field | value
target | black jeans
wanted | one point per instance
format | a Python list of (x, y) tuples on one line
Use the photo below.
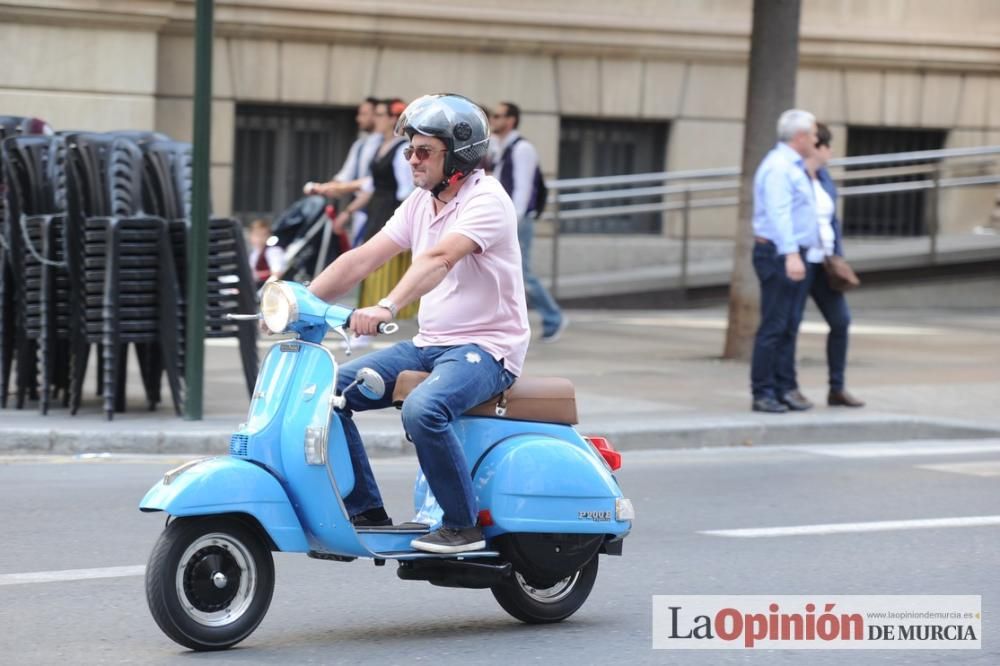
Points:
[(781, 302)]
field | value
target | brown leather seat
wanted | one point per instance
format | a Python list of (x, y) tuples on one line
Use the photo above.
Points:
[(545, 399)]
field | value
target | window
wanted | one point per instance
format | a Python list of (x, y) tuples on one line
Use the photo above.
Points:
[(893, 213), (279, 148), (591, 147)]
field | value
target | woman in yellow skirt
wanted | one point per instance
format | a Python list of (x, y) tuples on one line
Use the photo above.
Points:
[(390, 181)]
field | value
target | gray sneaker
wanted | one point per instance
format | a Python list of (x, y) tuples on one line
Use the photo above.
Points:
[(447, 540), (556, 334)]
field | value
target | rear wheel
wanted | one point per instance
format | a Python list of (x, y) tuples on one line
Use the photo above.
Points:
[(209, 582), (539, 605)]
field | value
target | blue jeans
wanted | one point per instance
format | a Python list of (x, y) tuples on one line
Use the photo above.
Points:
[(833, 306), (538, 296), (772, 368), (461, 378)]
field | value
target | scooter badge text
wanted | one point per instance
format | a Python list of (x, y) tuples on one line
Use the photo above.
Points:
[(596, 516)]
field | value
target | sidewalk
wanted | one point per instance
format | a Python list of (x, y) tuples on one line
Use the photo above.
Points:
[(644, 379)]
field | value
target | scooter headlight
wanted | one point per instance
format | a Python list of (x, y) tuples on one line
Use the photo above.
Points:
[(278, 306)]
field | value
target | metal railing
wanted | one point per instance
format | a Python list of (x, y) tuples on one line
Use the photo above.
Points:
[(686, 191)]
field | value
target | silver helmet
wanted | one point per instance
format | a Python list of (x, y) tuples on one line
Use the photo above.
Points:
[(456, 120)]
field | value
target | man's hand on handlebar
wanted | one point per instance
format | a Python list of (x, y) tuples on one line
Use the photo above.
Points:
[(365, 321)]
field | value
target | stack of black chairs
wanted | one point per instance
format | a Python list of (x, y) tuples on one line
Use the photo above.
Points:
[(9, 126), (93, 254), (14, 339), (36, 196), (167, 189), (124, 285), (231, 290)]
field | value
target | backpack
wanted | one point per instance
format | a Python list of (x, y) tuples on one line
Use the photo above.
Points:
[(539, 191)]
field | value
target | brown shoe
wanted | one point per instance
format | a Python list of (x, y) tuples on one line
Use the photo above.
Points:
[(843, 399), (795, 401)]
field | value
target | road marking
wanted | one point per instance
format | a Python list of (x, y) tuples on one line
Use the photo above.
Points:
[(71, 574), (841, 528), (978, 468), (900, 449)]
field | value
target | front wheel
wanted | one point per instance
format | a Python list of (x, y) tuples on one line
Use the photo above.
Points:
[(209, 582), (537, 605)]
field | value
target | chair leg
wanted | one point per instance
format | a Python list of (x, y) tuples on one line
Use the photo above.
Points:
[(62, 377), (46, 335), (171, 335), (152, 365), (77, 373), (172, 368), (44, 372), (6, 330), (111, 334), (100, 370), (121, 397), (110, 358), (27, 379)]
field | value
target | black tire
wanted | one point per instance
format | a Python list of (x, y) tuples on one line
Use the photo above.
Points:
[(183, 589), (554, 604)]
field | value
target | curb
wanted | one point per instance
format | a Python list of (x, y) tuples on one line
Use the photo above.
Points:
[(666, 434)]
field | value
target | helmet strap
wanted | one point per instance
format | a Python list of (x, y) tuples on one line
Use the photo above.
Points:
[(445, 184)]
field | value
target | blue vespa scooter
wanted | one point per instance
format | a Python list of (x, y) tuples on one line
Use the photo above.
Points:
[(549, 502)]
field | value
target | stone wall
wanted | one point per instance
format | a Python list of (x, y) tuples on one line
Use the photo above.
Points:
[(87, 64)]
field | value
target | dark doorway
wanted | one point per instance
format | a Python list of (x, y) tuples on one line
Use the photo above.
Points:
[(279, 148), (892, 214), (592, 147)]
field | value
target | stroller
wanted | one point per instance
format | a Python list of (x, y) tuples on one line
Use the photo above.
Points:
[(305, 232)]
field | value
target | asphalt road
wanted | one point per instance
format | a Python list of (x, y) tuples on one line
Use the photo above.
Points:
[(66, 514)]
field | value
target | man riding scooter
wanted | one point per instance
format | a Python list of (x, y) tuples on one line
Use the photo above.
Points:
[(473, 325)]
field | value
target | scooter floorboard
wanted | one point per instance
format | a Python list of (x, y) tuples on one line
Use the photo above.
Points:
[(418, 555), (402, 528)]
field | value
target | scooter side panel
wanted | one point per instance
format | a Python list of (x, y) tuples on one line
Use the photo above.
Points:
[(534, 483), (230, 485), (479, 435)]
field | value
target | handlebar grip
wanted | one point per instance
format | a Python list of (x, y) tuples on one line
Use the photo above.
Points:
[(385, 328)]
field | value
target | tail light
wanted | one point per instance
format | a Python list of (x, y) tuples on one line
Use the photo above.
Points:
[(607, 451)]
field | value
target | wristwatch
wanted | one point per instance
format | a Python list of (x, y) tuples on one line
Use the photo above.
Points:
[(388, 305)]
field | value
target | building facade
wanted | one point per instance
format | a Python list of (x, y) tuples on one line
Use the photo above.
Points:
[(635, 85)]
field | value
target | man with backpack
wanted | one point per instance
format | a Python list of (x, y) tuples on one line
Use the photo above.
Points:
[(515, 165)]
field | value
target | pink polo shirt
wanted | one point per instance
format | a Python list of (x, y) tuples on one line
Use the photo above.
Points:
[(481, 299)]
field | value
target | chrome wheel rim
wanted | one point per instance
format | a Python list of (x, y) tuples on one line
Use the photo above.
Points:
[(216, 580), (548, 595)]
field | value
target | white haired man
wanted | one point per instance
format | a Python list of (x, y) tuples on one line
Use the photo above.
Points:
[(784, 226)]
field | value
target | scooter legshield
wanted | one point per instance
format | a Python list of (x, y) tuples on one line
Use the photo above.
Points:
[(536, 483), (230, 485)]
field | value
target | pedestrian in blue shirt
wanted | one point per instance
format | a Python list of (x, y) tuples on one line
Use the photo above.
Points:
[(784, 226)]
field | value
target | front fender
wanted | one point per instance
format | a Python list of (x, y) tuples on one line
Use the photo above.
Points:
[(230, 485)]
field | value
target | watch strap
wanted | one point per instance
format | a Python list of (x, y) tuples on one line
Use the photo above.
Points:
[(388, 305)]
